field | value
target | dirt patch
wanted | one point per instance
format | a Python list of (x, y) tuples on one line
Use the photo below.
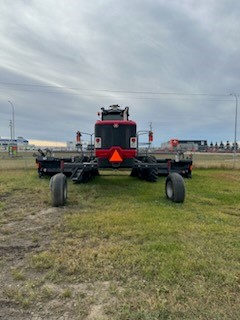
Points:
[(22, 232), (28, 228)]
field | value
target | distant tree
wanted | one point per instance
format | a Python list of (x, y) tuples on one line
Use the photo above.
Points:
[(234, 145), (228, 145), (221, 145), (216, 145), (211, 145)]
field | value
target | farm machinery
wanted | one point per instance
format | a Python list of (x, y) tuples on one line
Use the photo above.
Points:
[(116, 143)]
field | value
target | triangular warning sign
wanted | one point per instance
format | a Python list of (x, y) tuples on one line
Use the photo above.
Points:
[(116, 157)]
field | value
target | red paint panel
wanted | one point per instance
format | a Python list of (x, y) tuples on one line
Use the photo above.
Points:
[(124, 153)]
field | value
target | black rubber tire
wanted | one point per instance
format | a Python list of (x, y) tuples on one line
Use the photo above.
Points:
[(151, 173), (134, 172), (142, 174), (175, 187), (58, 187), (95, 173)]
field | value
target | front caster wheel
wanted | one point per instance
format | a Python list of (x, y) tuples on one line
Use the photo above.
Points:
[(175, 187), (58, 187)]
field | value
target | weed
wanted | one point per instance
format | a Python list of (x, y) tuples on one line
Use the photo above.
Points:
[(43, 260), (67, 293), (18, 274)]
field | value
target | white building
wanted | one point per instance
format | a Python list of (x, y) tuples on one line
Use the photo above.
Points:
[(71, 145), (20, 142)]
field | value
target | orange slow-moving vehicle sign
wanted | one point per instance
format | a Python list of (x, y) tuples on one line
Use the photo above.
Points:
[(116, 157)]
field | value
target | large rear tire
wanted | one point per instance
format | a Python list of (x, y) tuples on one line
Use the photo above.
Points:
[(58, 187), (152, 173), (134, 172), (175, 187), (149, 174)]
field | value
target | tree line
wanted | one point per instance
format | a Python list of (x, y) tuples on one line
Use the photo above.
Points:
[(224, 146)]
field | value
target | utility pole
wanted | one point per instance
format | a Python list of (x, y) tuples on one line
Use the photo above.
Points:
[(13, 120), (235, 128)]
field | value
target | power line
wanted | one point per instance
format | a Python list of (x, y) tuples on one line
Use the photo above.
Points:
[(174, 97), (114, 91)]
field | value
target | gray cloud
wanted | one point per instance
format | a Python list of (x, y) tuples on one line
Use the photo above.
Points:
[(66, 49)]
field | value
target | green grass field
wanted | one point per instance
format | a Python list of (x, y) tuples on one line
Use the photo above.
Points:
[(121, 250)]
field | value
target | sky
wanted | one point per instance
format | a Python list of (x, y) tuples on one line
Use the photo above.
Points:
[(174, 63)]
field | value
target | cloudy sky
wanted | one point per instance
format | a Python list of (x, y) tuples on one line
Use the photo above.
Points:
[(174, 63)]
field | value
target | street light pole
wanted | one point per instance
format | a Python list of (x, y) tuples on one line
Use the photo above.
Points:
[(13, 121), (235, 128), (10, 125)]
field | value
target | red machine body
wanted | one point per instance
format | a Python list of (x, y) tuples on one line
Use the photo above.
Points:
[(115, 138)]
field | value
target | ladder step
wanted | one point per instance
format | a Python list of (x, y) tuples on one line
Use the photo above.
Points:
[(76, 175)]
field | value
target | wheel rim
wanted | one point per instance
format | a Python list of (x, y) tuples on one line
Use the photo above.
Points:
[(169, 189)]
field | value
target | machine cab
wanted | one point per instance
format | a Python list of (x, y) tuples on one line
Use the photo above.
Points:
[(115, 113)]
